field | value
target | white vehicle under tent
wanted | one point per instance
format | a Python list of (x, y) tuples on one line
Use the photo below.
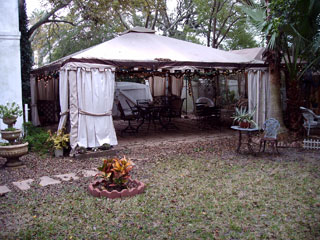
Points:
[(129, 92), (84, 83)]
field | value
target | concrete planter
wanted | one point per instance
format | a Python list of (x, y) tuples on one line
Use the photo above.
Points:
[(12, 154), (58, 152), (10, 135), (96, 192), (9, 121)]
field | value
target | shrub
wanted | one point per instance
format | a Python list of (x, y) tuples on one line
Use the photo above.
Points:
[(116, 170), (59, 139), (37, 139)]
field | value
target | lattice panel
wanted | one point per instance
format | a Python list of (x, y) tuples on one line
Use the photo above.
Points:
[(47, 112)]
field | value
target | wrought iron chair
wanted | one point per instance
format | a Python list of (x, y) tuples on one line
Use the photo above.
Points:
[(134, 109), (270, 127), (143, 101), (311, 120), (173, 110), (215, 118), (202, 114), (128, 116)]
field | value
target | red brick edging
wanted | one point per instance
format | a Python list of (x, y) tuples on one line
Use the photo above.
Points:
[(94, 191)]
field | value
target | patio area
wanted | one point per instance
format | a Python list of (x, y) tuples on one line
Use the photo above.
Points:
[(188, 131)]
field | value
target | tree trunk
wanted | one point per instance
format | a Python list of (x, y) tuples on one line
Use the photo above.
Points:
[(274, 59), (294, 102), (275, 99)]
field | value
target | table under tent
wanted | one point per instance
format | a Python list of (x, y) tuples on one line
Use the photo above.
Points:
[(86, 79)]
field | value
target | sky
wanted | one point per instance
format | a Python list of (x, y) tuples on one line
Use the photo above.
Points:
[(31, 5)]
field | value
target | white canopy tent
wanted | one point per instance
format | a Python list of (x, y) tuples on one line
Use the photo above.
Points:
[(141, 47), (87, 78)]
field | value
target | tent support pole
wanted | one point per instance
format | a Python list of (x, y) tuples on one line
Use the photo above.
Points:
[(186, 95), (167, 83)]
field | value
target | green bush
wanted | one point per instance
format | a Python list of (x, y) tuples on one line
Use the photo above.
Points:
[(37, 139)]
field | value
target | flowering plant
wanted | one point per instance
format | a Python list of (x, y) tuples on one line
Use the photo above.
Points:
[(116, 170), (59, 139)]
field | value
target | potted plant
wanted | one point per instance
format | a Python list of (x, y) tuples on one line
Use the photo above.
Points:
[(244, 117), (114, 179), (60, 141), (14, 149), (9, 113)]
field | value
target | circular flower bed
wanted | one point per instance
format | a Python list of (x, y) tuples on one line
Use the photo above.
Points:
[(97, 189)]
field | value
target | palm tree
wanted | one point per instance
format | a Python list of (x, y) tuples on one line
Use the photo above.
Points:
[(292, 31), (257, 14)]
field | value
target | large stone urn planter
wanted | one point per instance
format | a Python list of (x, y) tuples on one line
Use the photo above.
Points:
[(10, 121), (96, 192), (10, 135), (12, 154), (14, 149)]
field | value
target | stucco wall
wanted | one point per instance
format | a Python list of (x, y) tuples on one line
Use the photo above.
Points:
[(10, 73)]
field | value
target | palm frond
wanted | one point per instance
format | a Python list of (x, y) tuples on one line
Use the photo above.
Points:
[(256, 16)]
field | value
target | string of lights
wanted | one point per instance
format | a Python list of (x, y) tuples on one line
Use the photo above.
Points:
[(45, 78)]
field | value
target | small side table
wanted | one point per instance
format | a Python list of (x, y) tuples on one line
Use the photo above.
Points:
[(249, 132)]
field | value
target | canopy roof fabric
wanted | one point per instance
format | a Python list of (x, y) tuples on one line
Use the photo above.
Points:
[(140, 47), (251, 53)]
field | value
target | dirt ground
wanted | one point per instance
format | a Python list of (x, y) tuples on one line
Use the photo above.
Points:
[(149, 144)]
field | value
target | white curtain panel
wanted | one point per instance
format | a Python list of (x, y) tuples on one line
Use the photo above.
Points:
[(64, 98), (176, 86), (74, 113), (95, 89), (259, 95), (34, 108), (158, 86)]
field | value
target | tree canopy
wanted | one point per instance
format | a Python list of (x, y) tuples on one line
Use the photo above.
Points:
[(65, 26)]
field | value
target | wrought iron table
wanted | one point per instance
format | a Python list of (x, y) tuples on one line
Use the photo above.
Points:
[(249, 132)]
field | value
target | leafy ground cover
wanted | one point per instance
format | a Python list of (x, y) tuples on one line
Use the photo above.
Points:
[(199, 190)]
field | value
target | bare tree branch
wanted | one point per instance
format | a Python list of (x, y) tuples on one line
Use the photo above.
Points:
[(214, 31), (231, 14), (61, 21), (122, 21), (210, 23), (228, 29), (180, 18), (155, 19), (147, 20), (46, 17)]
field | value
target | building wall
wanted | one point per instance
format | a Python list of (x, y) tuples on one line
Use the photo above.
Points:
[(10, 72)]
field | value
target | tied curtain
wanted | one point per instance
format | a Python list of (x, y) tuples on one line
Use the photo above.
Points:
[(64, 98), (259, 95), (91, 95), (95, 98)]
